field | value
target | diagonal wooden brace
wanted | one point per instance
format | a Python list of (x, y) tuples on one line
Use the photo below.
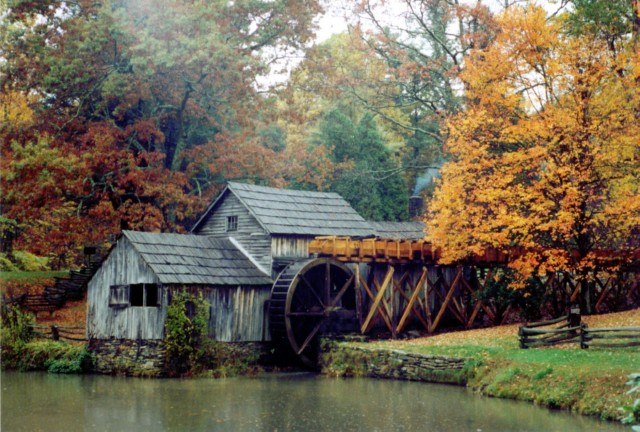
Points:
[(382, 313), (376, 302), (447, 299), (412, 300)]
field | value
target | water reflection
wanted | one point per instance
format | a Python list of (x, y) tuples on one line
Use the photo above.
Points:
[(293, 402)]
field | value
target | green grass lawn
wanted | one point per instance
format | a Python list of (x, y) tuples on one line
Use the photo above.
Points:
[(590, 381), (29, 276)]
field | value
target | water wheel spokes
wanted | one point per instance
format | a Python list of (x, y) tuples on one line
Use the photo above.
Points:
[(307, 296)]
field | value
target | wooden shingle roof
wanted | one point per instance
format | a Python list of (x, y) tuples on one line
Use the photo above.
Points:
[(296, 212), (399, 230), (193, 259)]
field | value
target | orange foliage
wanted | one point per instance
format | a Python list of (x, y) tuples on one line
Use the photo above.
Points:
[(546, 154)]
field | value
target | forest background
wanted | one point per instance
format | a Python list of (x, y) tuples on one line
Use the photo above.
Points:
[(133, 114)]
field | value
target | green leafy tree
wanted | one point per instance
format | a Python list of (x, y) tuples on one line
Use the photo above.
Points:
[(369, 178), (424, 50)]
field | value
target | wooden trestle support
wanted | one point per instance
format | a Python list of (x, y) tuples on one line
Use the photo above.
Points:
[(389, 286), (401, 285)]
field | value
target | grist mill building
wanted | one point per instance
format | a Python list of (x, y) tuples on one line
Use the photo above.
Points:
[(232, 256)]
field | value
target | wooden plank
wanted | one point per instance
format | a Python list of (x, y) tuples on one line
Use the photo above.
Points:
[(451, 307), (377, 300), (505, 314), (385, 306), (605, 290), (575, 293), (474, 314), (414, 296), (416, 310), (398, 287), (459, 311), (427, 307), (447, 299), (358, 295), (381, 311)]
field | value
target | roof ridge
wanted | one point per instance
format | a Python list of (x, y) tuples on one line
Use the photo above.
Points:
[(249, 186)]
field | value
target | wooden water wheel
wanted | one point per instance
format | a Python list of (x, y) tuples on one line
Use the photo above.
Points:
[(310, 298)]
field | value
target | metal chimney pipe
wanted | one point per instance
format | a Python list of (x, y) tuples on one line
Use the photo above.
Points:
[(416, 206)]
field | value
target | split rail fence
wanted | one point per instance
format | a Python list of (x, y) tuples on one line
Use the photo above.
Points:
[(571, 329), (610, 337), (75, 334)]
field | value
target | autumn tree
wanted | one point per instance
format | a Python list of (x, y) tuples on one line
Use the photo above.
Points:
[(545, 155), (154, 103)]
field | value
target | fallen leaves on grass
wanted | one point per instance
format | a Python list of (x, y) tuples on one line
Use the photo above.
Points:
[(73, 314), (496, 336), (618, 319), (13, 288)]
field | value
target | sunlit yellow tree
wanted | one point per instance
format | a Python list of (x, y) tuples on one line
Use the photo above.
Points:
[(546, 154)]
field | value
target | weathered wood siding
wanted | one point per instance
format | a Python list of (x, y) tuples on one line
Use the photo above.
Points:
[(290, 246), (238, 313), (250, 234), (123, 266)]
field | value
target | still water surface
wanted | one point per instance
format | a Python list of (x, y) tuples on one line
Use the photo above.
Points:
[(282, 402)]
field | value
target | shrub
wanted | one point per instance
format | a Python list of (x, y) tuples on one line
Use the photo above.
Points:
[(36, 355), (17, 330), (48, 355), (186, 332), (633, 411), (76, 360), (27, 261), (6, 265), (225, 359), (20, 351), (17, 326)]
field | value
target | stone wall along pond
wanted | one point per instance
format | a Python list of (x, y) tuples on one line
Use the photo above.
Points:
[(340, 359), (147, 358), (128, 356)]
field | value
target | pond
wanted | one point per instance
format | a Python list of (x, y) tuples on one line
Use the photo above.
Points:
[(274, 402)]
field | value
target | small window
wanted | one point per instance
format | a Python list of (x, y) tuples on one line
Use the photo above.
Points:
[(119, 296), (152, 295), (138, 295), (232, 223)]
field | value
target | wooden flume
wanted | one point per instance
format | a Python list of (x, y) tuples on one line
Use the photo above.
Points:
[(398, 285)]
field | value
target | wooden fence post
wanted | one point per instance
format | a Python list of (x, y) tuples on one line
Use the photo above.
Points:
[(583, 336), (55, 334), (521, 337)]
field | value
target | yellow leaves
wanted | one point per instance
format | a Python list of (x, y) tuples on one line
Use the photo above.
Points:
[(545, 155), (15, 111)]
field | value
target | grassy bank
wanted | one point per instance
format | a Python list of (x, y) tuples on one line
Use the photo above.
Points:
[(46, 355), (7, 276), (590, 382)]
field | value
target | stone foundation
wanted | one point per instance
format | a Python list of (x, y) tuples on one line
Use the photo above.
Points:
[(345, 360), (128, 357), (147, 358)]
